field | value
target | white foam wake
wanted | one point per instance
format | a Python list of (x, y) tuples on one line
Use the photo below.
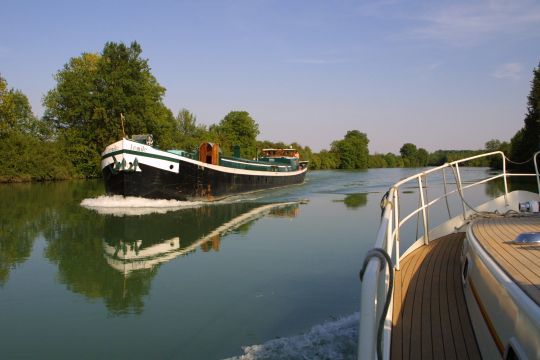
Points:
[(129, 205), (330, 340)]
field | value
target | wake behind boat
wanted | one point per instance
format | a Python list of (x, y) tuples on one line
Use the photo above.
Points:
[(136, 168), (468, 288)]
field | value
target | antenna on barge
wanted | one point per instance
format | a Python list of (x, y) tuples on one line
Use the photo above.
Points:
[(122, 122)]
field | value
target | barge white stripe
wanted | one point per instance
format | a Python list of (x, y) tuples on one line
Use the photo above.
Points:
[(146, 155)]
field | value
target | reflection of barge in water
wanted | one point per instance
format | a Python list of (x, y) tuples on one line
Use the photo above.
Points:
[(136, 168), (134, 243)]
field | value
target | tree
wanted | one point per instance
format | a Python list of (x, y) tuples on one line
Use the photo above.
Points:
[(493, 145), (527, 140), (237, 128), (409, 154), (352, 151), (189, 135), (126, 86), (328, 160), (495, 162), (422, 157), (24, 156), (393, 161), (92, 92), (186, 123), (377, 161), (15, 111)]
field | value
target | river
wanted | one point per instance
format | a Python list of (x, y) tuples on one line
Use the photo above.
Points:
[(273, 274)]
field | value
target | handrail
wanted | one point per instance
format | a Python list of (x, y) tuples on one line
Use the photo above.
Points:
[(536, 170), (376, 280)]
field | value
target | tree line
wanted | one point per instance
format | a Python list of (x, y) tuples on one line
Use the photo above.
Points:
[(526, 141), (95, 90)]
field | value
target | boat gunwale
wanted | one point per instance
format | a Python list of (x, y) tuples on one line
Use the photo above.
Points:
[(516, 293)]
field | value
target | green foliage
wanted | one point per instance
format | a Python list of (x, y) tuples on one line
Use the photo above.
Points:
[(188, 135), (441, 157), (527, 140), (237, 128), (352, 151), (454, 155), (24, 155), (71, 104), (25, 158), (495, 162), (377, 161), (409, 153), (83, 112), (493, 145), (422, 157), (438, 158), (16, 112), (92, 92), (393, 160), (408, 150), (328, 160), (80, 152)]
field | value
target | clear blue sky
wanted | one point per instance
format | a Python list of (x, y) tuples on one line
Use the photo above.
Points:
[(439, 74)]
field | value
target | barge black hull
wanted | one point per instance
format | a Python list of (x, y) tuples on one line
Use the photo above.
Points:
[(191, 182)]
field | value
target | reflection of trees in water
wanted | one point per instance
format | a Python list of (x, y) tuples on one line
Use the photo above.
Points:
[(76, 248), (135, 246), (74, 240), (287, 211), (19, 221), (28, 210), (495, 188), (354, 201), (77, 238)]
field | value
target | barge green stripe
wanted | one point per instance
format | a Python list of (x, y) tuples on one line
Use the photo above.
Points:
[(133, 152)]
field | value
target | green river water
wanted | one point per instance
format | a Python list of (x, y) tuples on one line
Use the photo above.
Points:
[(272, 274)]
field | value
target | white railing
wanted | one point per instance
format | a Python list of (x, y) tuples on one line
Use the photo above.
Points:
[(375, 281)]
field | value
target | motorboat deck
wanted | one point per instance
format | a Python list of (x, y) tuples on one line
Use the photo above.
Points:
[(430, 319), (464, 288), (521, 262)]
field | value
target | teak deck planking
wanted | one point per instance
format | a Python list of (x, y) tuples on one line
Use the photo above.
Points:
[(430, 317), (521, 262)]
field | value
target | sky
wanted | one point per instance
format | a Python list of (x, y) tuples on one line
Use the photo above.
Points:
[(439, 74)]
